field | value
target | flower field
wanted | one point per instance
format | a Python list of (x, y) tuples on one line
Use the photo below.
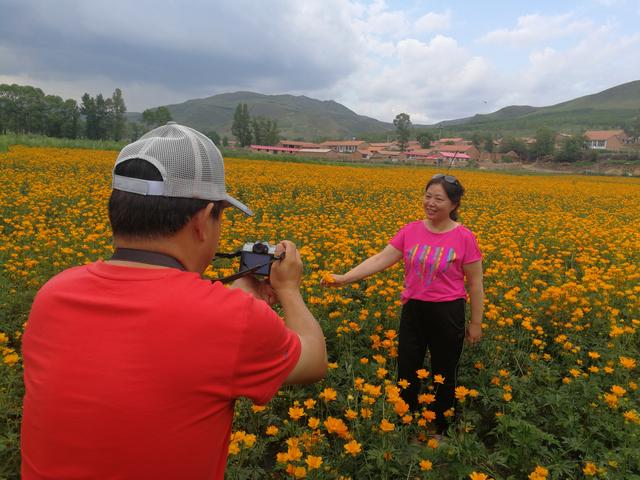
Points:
[(551, 392)]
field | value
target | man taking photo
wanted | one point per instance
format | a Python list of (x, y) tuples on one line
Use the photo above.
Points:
[(132, 365)]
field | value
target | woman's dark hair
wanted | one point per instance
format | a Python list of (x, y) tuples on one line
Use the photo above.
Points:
[(149, 216), (454, 191)]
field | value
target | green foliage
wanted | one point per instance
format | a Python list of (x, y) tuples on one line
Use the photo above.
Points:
[(241, 127), (545, 143), (572, 149), (488, 142), (517, 145), (425, 138), (214, 136), (402, 123), (154, 117), (27, 110), (265, 131)]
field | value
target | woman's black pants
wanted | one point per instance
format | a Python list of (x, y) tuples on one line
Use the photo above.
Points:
[(439, 327)]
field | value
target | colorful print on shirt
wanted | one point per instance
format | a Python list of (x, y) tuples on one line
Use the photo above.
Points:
[(427, 261)]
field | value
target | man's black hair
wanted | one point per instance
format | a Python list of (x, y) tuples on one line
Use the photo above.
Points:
[(150, 216)]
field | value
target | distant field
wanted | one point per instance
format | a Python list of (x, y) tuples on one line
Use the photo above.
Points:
[(553, 386)]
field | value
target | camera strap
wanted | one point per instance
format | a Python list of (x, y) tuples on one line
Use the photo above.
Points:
[(242, 273), (145, 256), (163, 260)]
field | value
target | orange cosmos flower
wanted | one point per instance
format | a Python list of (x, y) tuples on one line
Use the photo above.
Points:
[(296, 412), (386, 425), (353, 448), (313, 462)]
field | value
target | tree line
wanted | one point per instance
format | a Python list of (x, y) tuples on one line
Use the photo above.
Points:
[(544, 145), (28, 110), (257, 130)]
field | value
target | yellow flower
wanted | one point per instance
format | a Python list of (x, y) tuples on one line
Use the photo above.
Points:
[(386, 425), (313, 462), (590, 469), (539, 473), (507, 397), (337, 426), (11, 359), (313, 422), (627, 362), (632, 416), (350, 414), (309, 403), (296, 412), (249, 440), (425, 465), (353, 448), (478, 476), (422, 373), (438, 379), (272, 430), (233, 448), (618, 391), (328, 394), (461, 392)]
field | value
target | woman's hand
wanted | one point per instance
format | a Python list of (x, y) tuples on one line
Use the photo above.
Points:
[(474, 333), (333, 280)]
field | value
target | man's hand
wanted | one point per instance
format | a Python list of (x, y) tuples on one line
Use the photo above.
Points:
[(261, 289), (286, 274)]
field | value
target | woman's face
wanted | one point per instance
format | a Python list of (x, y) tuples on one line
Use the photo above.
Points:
[(436, 203)]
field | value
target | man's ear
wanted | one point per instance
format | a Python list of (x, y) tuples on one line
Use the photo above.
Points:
[(200, 220)]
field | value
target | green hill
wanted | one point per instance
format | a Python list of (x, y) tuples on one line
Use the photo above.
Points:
[(611, 108), (297, 116), (301, 117)]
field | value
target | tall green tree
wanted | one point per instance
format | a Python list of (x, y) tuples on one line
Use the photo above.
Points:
[(476, 140), (241, 127), (102, 117), (545, 143), (118, 121), (516, 144), (572, 149), (88, 109), (425, 139), (214, 136), (154, 117), (402, 123), (265, 131), (488, 142)]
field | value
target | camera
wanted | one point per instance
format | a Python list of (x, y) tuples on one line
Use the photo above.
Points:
[(257, 253)]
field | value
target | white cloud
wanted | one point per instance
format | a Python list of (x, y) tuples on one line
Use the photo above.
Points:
[(535, 28), (433, 22)]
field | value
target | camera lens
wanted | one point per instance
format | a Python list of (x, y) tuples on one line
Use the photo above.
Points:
[(260, 248)]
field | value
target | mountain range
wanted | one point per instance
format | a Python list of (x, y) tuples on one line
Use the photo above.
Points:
[(301, 117)]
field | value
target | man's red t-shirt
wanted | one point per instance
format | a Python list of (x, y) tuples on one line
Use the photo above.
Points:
[(132, 373)]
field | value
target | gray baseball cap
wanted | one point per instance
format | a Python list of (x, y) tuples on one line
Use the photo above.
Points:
[(189, 162)]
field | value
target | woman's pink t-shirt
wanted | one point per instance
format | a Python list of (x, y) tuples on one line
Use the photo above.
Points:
[(433, 262)]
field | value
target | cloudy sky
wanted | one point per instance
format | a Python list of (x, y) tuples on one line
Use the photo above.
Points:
[(433, 59)]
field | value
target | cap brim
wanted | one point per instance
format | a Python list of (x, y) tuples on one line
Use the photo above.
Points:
[(233, 202)]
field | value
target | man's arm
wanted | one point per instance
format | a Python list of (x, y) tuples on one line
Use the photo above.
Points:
[(286, 278)]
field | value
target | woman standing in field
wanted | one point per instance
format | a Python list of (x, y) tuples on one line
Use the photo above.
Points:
[(439, 253)]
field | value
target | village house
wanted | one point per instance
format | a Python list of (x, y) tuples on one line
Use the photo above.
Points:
[(605, 139), (345, 146), (296, 144)]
